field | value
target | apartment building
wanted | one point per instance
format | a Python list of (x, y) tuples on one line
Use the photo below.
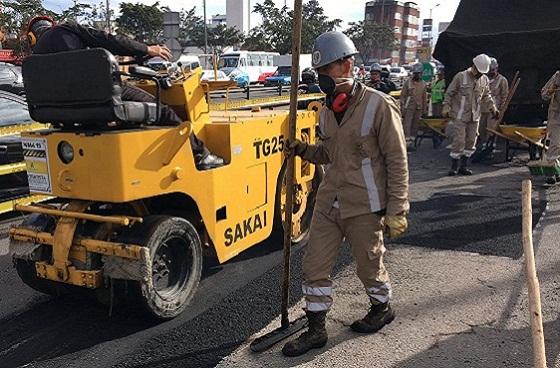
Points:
[(404, 17)]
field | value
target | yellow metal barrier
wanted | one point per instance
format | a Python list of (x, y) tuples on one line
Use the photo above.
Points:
[(262, 102), (18, 128), (10, 205)]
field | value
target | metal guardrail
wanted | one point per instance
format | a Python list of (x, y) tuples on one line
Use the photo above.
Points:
[(262, 102)]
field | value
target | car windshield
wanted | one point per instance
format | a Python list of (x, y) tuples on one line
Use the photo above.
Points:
[(229, 62), (9, 74), (13, 110), (284, 71), (395, 70)]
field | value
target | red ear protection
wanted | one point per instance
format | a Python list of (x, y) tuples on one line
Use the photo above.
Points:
[(340, 102)]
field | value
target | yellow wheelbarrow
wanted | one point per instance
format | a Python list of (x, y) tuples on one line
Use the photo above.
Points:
[(432, 128), (522, 138)]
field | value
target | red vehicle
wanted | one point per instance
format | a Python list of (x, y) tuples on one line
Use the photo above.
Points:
[(263, 76)]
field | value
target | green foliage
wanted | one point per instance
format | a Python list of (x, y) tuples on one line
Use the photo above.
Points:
[(143, 22), (370, 38), (275, 32), (16, 14)]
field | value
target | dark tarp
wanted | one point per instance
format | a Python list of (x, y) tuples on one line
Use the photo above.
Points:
[(524, 35)]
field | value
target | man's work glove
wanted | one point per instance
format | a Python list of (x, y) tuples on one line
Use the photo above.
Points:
[(296, 147), (446, 111), (395, 225)]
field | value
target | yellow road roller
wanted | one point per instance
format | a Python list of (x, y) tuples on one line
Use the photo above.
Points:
[(132, 211)]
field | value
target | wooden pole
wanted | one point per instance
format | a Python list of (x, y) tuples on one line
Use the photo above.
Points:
[(296, 46), (539, 356)]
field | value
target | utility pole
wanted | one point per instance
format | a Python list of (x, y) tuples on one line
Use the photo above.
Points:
[(249, 15), (205, 28), (108, 15)]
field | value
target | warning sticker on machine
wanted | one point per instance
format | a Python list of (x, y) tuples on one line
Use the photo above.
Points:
[(37, 163)]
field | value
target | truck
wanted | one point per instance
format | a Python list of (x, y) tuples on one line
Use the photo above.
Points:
[(523, 44), (283, 75)]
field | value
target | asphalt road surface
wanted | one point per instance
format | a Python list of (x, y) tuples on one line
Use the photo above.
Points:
[(241, 297)]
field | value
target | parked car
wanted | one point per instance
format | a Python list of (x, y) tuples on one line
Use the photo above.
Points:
[(209, 75), (263, 76), (240, 77), (11, 79), (13, 110), (398, 75), (282, 76)]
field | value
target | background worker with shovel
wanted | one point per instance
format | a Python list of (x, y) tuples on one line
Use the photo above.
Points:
[(365, 190), (551, 95)]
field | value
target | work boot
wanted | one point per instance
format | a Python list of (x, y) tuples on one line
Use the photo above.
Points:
[(378, 316), (551, 180), (463, 168), (209, 161), (315, 337), (454, 166)]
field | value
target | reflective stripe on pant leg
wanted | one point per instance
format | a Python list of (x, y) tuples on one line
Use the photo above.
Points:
[(380, 294), (325, 237), (458, 145), (471, 132), (365, 235)]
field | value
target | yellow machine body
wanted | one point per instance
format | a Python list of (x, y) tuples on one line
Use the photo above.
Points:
[(236, 202)]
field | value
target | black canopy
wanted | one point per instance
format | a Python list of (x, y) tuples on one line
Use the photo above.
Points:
[(524, 35)]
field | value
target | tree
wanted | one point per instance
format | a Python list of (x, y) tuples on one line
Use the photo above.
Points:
[(144, 22), (15, 14), (275, 32), (221, 36), (79, 12), (371, 38)]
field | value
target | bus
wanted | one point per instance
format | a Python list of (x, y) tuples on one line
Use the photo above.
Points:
[(252, 63)]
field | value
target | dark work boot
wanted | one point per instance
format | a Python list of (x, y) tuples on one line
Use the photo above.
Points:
[(454, 166), (463, 168), (551, 180), (315, 336), (377, 317)]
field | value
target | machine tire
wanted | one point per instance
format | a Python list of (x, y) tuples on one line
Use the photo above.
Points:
[(308, 214), (156, 233), (26, 268)]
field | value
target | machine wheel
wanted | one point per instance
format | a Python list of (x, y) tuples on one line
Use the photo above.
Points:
[(304, 202), (176, 253), (26, 268)]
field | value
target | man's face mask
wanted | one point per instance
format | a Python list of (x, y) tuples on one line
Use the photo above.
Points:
[(327, 84)]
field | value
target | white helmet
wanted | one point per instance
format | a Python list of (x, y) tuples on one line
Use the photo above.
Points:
[(482, 63), (493, 64), (417, 68), (330, 47)]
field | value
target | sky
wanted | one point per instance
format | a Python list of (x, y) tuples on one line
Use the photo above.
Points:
[(442, 13)]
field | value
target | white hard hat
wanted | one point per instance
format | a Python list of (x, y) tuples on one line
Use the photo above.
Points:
[(330, 47), (482, 63), (493, 64)]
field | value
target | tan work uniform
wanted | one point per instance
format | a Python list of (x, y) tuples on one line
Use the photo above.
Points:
[(413, 103), (550, 93), (366, 177), (499, 89), (464, 98)]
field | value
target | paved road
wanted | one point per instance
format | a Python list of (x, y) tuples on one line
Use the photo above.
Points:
[(235, 300)]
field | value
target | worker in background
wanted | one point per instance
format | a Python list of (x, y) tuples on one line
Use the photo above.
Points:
[(468, 91), (413, 103), (551, 95), (385, 78), (362, 72), (499, 89), (375, 81), (360, 128), (46, 37), (438, 93)]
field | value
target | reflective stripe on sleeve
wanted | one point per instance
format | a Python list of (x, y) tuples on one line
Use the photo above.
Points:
[(369, 179), (317, 291)]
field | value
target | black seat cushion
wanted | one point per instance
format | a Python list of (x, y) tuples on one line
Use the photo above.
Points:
[(81, 86)]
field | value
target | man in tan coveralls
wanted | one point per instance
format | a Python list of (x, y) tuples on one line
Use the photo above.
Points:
[(364, 192), (499, 89), (463, 99), (550, 94), (413, 104)]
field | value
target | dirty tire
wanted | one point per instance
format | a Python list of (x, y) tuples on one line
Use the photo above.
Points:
[(26, 268), (176, 254), (278, 230)]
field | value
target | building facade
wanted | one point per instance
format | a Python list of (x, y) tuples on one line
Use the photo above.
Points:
[(218, 19), (404, 18), (238, 14)]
